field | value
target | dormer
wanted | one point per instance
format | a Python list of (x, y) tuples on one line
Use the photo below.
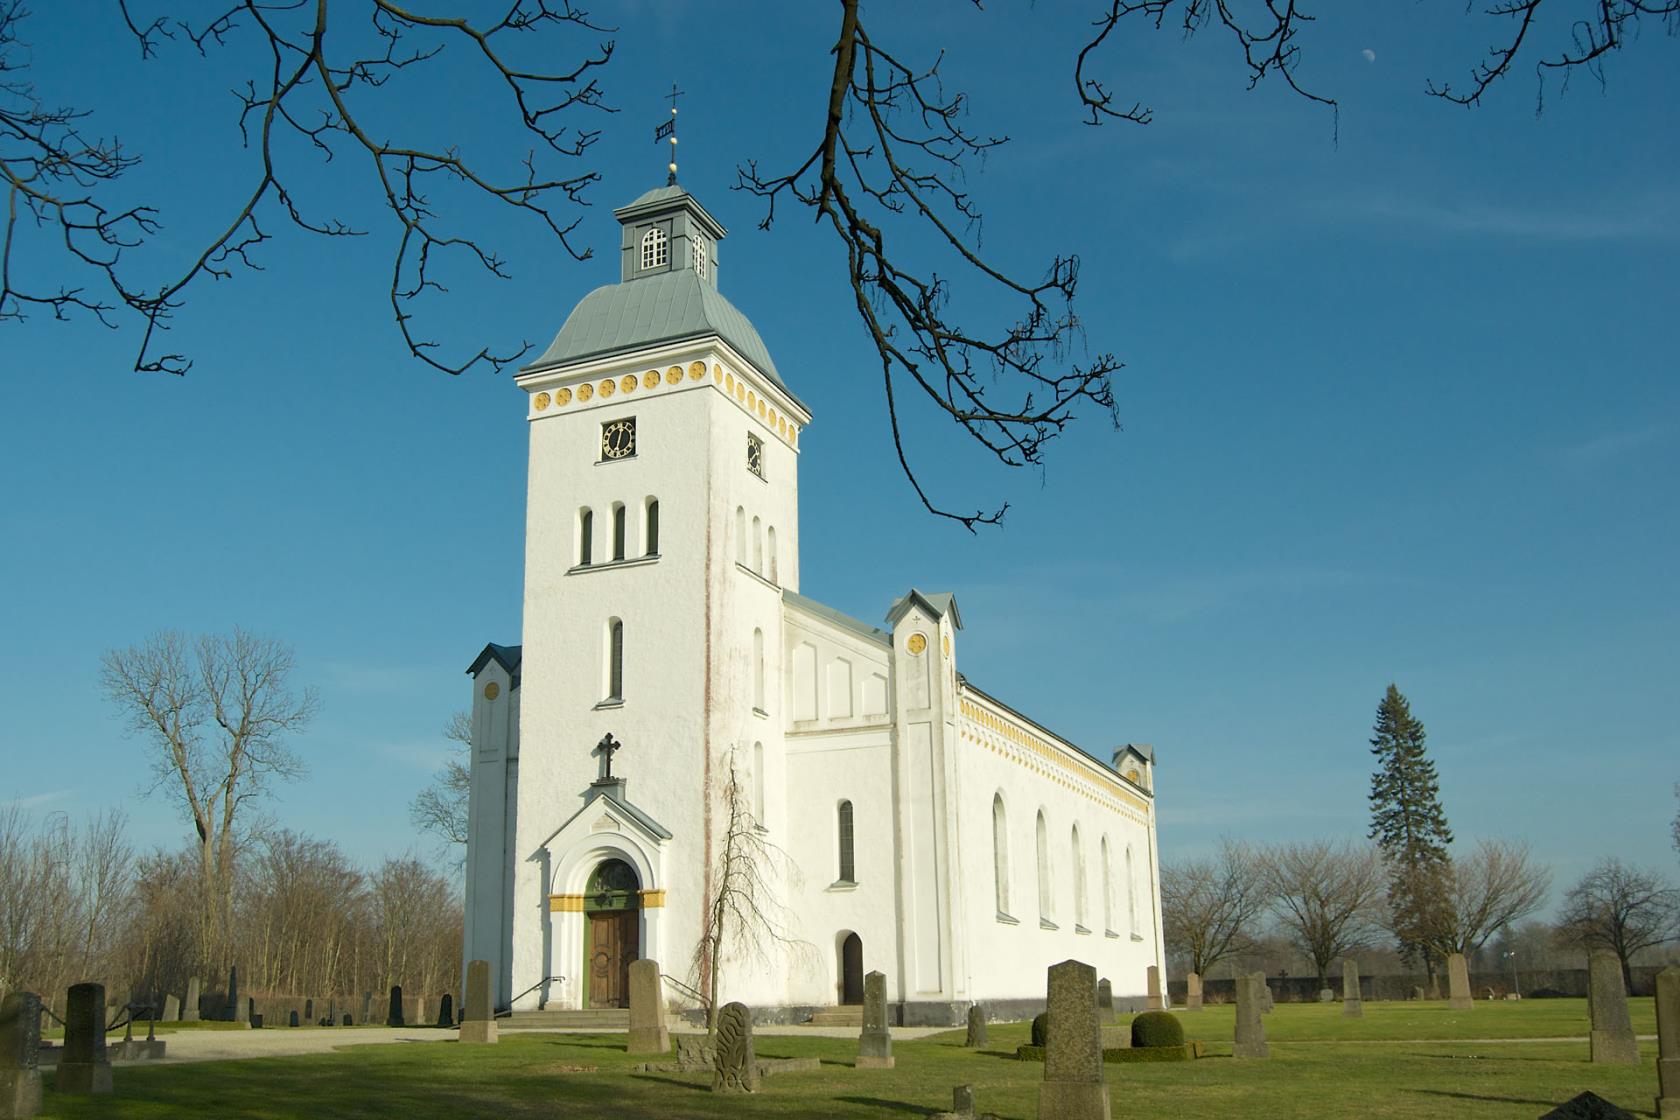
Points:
[(665, 231)]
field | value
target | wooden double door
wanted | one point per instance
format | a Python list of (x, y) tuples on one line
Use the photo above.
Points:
[(613, 940)]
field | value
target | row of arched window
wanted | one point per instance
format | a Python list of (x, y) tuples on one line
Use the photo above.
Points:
[(756, 549), (656, 250), (1046, 881), (619, 546)]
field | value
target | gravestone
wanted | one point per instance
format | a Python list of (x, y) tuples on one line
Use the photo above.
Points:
[(1612, 1032), (345, 1021), (649, 1033), (1668, 1042), (394, 1016), (1588, 1106), (20, 1046), (1434, 987), (1263, 994), (1250, 1038), (963, 1106), (1353, 1004), (419, 1010), (695, 1051), (480, 1022), (84, 1068), (875, 1041), (309, 1011), (367, 1009), (292, 1019), (1326, 995), (1153, 999), (332, 1012), (1418, 993), (1192, 991), (171, 1008), (1458, 983), (189, 1010), (237, 1009), (1073, 1086), (446, 1009), (1105, 1002), (736, 1070), (976, 1027)]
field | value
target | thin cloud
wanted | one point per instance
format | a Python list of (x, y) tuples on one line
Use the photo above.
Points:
[(1644, 219), (36, 800), (426, 757), (1612, 445)]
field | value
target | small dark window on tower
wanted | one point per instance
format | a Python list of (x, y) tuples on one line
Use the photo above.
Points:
[(618, 531), (586, 534), (755, 455), (848, 866), (653, 528), (615, 660)]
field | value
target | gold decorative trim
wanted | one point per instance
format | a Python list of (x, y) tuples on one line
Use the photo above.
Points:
[(562, 397), (650, 379), (717, 375), (565, 904), (540, 401), (607, 388), (917, 643), (652, 899), (585, 391), (629, 383), (695, 371), (1024, 739), (492, 690)]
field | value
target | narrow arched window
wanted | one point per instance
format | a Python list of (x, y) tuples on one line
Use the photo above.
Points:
[(848, 867), (586, 536), (618, 531), (758, 548), (656, 248), (1131, 894), (1078, 879), (770, 548), (1000, 853), (758, 783), (615, 659), (740, 536), (651, 535), (1108, 887), (758, 669), (1045, 897), (700, 255)]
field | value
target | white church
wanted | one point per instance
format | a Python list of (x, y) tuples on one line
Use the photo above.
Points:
[(928, 830)]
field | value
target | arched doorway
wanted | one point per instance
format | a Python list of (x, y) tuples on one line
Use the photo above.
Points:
[(612, 913), (851, 969)]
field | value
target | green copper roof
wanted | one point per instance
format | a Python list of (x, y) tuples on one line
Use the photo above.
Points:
[(654, 309)]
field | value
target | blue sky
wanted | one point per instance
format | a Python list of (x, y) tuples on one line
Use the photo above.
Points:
[(1399, 403)]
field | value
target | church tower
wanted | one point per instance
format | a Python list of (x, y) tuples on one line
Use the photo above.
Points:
[(661, 532)]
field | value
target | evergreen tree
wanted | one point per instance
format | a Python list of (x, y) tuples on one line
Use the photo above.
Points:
[(1407, 822)]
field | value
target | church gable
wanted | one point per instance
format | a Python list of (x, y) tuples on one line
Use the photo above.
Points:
[(836, 672)]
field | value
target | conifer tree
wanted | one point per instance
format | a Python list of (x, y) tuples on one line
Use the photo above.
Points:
[(1407, 822)]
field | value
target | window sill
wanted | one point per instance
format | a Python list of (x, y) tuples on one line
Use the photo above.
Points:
[(613, 565), (1111, 933), (1046, 923), (1081, 929), (842, 885), (761, 713), (1008, 919), (766, 582), (609, 462), (606, 704), (1137, 937)]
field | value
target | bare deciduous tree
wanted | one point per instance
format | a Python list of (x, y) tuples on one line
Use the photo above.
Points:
[(1620, 908), (1489, 889), (441, 808), (1209, 906), (215, 715), (1327, 898)]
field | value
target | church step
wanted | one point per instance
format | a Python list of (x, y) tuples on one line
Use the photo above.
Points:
[(596, 1018), (838, 1017)]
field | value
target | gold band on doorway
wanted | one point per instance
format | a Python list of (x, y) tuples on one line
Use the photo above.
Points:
[(565, 903), (651, 899)]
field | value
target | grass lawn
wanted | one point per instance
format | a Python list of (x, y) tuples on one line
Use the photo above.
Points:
[(587, 1077)]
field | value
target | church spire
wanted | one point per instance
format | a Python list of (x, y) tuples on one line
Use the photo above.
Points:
[(668, 131)]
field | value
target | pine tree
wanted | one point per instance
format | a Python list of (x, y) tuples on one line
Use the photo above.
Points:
[(1407, 821)]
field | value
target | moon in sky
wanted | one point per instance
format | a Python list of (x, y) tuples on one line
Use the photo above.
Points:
[(1370, 55)]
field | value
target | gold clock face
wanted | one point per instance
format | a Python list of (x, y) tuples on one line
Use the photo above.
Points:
[(618, 439)]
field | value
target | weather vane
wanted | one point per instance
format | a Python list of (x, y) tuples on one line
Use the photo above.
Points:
[(668, 131), (606, 747)]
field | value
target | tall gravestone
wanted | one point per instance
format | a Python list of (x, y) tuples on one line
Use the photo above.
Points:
[(649, 1033), (1250, 1038), (189, 1010), (446, 1009), (1353, 1004), (238, 1010), (976, 1027), (309, 1010), (20, 1046), (1458, 984), (1105, 1002), (1073, 1086), (394, 1013), (480, 1023), (1154, 1002), (875, 1041), (1612, 1031), (84, 1067), (1668, 1042), (1192, 991), (419, 1010), (171, 1008), (1262, 993), (367, 1009), (292, 1019), (736, 1066)]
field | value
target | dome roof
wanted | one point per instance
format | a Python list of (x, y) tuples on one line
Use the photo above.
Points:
[(655, 309)]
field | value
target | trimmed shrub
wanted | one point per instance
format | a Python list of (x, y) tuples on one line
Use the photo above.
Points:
[(1030, 1053), (1120, 1055), (1156, 1028), (1040, 1026)]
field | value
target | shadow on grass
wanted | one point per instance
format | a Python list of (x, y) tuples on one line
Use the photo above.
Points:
[(1484, 1097), (670, 1081), (877, 1102)]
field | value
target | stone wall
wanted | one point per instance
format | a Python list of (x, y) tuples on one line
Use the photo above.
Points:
[(1570, 982)]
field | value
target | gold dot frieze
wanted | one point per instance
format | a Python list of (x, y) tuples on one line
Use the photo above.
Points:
[(695, 371), (608, 387), (650, 379), (629, 383), (562, 397), (540, 402), (585, 391), (717, 375)]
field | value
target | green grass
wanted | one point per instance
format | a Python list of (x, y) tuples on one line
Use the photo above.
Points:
[(589, 1078)]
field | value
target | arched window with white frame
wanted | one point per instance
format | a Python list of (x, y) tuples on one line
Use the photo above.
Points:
[(848, 860), (1131, 894), (1078, 879), (741, 536), (770, 550), (656, 248), (650, 528), (758, 669), (613, 677), (758, 547), (701, 253), (1046, 897), (1108, 888), (1000, 853), (586, 537), (618, 530)]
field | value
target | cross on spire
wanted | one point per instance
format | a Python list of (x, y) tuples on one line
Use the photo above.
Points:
[(668, 130)]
